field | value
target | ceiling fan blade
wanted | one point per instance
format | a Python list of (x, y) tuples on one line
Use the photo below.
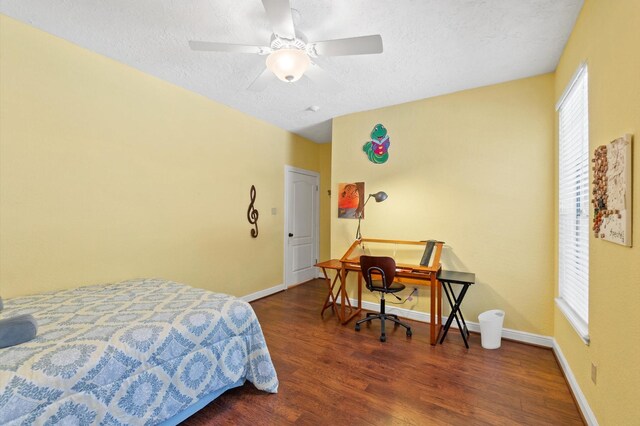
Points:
[(349, 46), (210, 46), (279, 15), (322, 78), (262, 81)]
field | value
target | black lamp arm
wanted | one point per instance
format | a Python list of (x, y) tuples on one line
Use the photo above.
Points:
[(379, 197)]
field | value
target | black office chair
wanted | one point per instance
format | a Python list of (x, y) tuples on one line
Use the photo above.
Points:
[(385, 267)]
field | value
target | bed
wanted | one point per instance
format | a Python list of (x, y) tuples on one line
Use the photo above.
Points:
[(137, 352)]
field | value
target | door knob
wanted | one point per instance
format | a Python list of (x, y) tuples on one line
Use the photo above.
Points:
[(290, 234)]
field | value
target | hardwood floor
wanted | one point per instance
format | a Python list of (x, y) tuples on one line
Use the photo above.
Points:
[(331, 374)]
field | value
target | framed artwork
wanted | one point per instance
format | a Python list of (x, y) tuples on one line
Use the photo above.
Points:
[(612, 191), (350, 198)]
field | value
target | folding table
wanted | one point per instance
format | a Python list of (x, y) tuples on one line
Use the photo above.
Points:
[(465, 279)]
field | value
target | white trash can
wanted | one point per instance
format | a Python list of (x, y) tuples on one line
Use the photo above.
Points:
[(491, 328)]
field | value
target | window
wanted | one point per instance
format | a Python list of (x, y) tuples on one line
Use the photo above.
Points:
[(573, 201)]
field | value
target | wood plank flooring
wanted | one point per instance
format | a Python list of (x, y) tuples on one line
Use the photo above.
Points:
[(331, 374)]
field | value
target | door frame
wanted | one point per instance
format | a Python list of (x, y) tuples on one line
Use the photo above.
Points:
[(316, 225)]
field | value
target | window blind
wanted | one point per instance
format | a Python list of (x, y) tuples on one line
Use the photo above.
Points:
[(573, 194)]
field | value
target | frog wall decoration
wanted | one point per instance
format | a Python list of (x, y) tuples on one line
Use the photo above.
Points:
[(377, 148)]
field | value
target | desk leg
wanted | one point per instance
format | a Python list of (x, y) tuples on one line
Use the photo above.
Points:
[(439, 298), (352, 312), (330, 300), (359, 291), (458, 305), (433, 314), (463, 327), (343, 293), (445, 330)]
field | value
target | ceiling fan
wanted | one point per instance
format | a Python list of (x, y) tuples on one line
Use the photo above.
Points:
[(289, 55)]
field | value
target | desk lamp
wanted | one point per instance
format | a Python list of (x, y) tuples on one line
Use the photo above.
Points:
[(379, 197)]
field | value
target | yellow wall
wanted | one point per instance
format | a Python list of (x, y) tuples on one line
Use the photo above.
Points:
[(107, 174), (474, 169), (607, 36)]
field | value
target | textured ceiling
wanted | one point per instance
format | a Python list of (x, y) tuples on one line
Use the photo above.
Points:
[(431, 47)]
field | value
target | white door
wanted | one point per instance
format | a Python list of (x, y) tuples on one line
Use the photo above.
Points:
[(301, 225)]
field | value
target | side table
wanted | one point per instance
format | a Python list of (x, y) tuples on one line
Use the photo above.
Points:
[(462, 278)]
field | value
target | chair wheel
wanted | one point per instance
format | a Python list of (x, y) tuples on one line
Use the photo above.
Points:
[(357, 327), (409, 333), (383, 338)]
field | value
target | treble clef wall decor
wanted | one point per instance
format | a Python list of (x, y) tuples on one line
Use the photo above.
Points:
[(252, 213)]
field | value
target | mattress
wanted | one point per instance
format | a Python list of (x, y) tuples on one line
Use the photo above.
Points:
[(135, 352)]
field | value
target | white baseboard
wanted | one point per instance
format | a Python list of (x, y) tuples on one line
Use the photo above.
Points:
[(518, 336), (575, 388), (263, 293), (524, 337)]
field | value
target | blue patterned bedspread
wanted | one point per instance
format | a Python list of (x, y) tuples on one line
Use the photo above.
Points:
[(136, 352)]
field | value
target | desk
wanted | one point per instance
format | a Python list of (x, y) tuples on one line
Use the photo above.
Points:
[(465, 279), (405, 273), (331, 301)]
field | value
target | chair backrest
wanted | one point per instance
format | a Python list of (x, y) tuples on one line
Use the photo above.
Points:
[(380, 265)]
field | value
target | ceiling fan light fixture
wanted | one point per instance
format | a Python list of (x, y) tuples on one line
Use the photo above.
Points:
[(288, 64)]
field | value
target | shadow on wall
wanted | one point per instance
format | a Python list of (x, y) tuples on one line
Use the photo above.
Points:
[(450, 261), (481, 296)]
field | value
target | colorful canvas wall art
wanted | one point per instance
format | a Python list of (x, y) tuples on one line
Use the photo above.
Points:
[(350, 198), (612, 191), (378, 146)]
